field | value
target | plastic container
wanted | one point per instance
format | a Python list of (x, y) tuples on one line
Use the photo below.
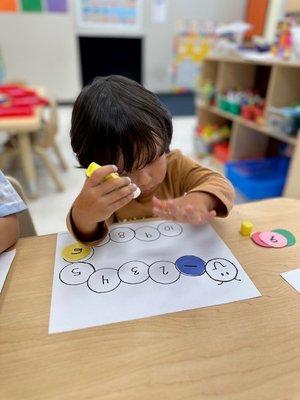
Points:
[(235, 108), (247, 112), (223, 103), (285, 120), (258, 179)]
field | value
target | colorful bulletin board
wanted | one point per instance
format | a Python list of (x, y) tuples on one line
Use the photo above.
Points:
[(190, 47), (121, 15), (14, 6)]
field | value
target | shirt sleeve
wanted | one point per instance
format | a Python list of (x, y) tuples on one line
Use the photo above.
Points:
[(100, 235), (195, 178), (10, 201)]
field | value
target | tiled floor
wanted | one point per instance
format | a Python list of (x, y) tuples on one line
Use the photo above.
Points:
[(50, 209)]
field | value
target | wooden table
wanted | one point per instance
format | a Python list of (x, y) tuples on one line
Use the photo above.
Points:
[(21, 127), (244, 350)]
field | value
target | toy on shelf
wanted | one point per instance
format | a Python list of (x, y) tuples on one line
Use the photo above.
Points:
[(246, 103), (209, 135), (206, 94), (221, 151)]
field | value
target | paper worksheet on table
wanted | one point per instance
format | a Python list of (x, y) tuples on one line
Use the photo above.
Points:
[(140, 270)]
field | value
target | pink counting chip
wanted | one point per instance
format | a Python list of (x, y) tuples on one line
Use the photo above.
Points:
[(273, 239), (255, 238)]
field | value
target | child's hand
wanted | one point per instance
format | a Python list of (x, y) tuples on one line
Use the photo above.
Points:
[(194, 208), (99, 199)]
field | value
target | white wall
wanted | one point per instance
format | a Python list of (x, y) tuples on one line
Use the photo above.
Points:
[(159, 38), (42, 48)]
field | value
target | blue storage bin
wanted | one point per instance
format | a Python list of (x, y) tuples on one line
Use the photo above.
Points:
[(260, 178)]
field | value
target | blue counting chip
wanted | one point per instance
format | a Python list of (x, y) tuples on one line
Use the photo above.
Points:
[(190, 265)]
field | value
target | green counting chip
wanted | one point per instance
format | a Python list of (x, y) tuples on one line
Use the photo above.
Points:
[(291, 240)]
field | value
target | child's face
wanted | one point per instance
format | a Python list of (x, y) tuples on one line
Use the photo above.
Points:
[(151, 176)]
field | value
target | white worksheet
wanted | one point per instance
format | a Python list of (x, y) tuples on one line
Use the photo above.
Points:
[(293, 278), (6, 259), (141, 270)]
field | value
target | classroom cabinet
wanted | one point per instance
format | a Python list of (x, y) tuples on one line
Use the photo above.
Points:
[(278, 83)]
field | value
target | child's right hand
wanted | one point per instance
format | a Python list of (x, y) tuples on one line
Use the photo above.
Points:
[(99, 199)]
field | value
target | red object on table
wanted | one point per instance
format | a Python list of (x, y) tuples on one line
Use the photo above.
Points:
[(20, 101), (28, 101), (16, 111), (221, 151), (16, 91)]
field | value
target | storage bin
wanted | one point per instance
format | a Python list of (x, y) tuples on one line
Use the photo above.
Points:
[(259, 178), (285, 120)]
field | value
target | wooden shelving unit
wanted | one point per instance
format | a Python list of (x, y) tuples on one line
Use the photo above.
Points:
[(280, 82)]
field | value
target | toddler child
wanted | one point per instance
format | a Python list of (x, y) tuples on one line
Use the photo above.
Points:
[(122, 126)]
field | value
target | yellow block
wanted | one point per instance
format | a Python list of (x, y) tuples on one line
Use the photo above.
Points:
[(75, 252), (94, 166), (246, 228)]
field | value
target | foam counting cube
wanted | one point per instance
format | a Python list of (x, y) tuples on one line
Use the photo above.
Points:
[(246, 228)]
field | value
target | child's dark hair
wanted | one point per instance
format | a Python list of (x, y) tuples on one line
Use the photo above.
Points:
[(115, 116)]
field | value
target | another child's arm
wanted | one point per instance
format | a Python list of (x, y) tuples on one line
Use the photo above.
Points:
[(10, 205), (9, 231), (97, 201)]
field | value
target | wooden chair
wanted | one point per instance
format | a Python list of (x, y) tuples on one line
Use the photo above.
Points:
[(41, 141), (45, 139), (26, 224)]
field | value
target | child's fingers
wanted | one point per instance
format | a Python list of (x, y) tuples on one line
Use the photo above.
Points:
[(112, 185), (120, 203), (156, 202), (161, 204), (157, 212), (118, 194), (212, 214), (98, 175)]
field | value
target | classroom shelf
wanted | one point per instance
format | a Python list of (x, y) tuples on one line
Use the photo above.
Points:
[(250, 124), (279, 83)]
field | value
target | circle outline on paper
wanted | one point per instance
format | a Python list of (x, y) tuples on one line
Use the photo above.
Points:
[(168, 262), (146, 240), (170, 223), (106, 291), (86, 258), (217, 259), (134, 283), (197, 259), (123, 241), (104, 242), (73, 264)]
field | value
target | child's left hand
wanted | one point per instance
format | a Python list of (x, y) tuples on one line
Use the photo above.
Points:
[(194, 208)]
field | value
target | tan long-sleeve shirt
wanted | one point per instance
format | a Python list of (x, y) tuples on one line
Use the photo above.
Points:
[(184, 175)]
